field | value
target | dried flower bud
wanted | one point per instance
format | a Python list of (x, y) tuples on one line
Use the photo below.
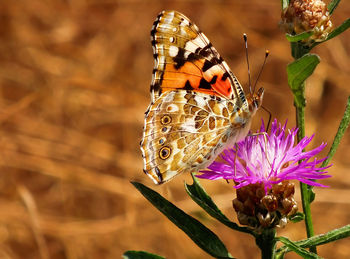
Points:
[(307, 15), (270, 202), (258, 209), (265, 221), (283, 222)]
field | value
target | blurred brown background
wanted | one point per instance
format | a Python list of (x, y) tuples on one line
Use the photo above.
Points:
[(74, 85)]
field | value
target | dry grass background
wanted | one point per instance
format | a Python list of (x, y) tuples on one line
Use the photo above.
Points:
[(74, 85)]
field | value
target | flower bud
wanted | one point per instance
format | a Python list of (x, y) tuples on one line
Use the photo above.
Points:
[(307, 15), (259, 209)]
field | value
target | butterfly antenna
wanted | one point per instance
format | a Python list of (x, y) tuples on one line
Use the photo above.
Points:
[(246, 54), (261, 69)]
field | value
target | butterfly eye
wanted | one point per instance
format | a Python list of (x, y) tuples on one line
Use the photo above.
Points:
[(164, 152), (166, 119)]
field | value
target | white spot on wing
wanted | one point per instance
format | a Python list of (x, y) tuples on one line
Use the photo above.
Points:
[(153, 77), (169, 97), (198, 41), (191, 46), (200, 101), (172, 108), (161, 59), (173, 50), (189, 126), (169, 18), (171, 14), (214, 70), (187, 53)]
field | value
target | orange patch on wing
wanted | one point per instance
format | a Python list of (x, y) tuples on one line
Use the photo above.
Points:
[(177, 78), (222, 84), (223, 87), (191, 72)]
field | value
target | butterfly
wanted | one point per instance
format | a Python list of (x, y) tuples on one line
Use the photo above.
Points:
[(198, 107)]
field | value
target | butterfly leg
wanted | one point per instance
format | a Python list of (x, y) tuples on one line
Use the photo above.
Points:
[(270, 115), (234, 169)]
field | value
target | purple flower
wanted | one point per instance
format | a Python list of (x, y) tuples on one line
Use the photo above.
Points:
[(269, 159)]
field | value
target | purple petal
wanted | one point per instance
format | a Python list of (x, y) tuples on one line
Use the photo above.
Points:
[(269, 159)]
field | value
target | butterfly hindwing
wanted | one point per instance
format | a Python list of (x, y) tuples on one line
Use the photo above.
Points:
[(176, 125)]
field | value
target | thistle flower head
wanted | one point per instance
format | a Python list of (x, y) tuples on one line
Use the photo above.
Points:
[(307, 15), (262, 166), (269, 159)]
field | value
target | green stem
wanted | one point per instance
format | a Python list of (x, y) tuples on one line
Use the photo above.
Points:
[(298, 50), (267, 243), (305, 192)]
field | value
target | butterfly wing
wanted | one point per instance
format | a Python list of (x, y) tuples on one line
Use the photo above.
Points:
[(197, 104), (185, 131), (185, 59)]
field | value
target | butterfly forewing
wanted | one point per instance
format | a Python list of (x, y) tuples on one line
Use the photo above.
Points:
[(185, 59)]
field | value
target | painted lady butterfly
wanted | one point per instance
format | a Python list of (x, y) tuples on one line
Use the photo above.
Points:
[(197, 108)]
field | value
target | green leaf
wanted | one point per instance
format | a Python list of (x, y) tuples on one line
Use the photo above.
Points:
[(297, 249), (140, 255), (200, 196), (311, 193), (343, 27), (200, 234), (330, 236), (297, 72), (332, 5), (299, 37), (340, 133), (299, 216)]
